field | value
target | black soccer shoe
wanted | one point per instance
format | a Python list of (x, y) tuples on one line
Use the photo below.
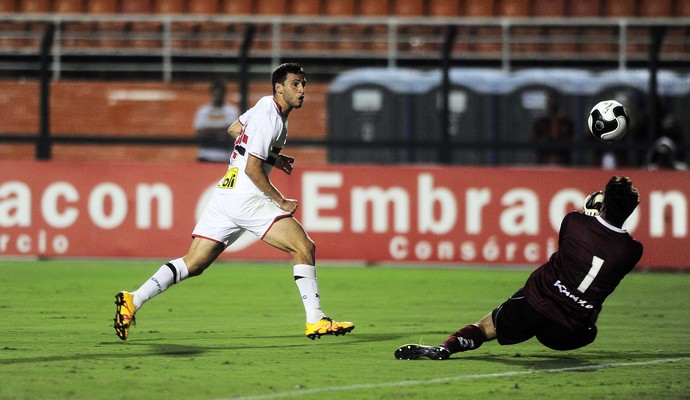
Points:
[(414, 351)]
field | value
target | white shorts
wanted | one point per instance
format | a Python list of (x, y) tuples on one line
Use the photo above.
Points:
[(227, 216)]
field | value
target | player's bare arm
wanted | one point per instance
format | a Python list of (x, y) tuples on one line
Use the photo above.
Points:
[(256, 173), (235, 129)]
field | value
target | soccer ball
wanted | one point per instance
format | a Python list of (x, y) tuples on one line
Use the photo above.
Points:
[(608, 120)]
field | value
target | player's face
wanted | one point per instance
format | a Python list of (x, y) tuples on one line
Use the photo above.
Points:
[(293, 90)]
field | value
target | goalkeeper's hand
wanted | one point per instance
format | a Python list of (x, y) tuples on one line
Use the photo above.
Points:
[(593, 202)]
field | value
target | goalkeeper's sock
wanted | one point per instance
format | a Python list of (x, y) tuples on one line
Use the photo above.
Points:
[(167, 275), (305, 278), (468, 338)]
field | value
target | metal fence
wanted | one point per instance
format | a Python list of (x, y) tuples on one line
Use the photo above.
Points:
[(173, 47)]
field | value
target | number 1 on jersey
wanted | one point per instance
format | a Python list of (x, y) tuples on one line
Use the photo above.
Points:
[(596, 266)]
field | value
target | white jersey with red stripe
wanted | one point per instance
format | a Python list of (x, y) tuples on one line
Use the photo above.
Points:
[(264, 133), (237, 205)]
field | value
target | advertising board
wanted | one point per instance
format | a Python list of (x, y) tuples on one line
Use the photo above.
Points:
[(354, 213)]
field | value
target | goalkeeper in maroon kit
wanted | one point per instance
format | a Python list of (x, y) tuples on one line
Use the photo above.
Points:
[(561, 299)]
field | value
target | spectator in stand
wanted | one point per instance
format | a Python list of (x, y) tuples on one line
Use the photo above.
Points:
[(664, 155), (555, 131), (211, 122)]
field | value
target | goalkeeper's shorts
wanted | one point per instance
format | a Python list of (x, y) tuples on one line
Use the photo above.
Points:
[(517, 321)]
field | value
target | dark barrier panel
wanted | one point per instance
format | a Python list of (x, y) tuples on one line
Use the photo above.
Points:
[(528, 96), (470, 119), (368, 108)]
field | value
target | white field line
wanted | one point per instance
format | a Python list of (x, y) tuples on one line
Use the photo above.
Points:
[(307, 392)]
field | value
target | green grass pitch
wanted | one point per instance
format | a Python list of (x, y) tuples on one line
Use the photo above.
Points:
[(237, 332)]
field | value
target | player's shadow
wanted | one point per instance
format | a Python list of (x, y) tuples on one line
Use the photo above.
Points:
[(157, 349), (167, 349), (171, 349), (267, 342), (530, 361), (349, 338), (569, 360)]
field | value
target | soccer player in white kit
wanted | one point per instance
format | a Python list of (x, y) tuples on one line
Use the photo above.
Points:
[(246, 200)]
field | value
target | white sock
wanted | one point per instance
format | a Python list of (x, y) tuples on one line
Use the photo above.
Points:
[(305, 278), (167, 275)]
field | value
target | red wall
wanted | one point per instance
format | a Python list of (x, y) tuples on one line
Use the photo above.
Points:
[(433, 214), (133, 109)]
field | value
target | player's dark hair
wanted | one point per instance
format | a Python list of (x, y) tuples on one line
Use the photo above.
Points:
[(281, 72), (218, 84), (620, 199)]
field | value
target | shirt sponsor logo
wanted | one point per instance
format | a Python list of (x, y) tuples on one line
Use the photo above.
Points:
[(562, 289)]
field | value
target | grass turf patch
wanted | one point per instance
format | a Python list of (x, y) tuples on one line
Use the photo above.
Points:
[(237, 331)]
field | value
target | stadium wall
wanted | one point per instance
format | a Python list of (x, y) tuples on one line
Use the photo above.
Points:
[(370, 214), (133, 109)]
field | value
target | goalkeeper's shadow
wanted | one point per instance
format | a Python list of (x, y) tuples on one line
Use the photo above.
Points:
[(567, 360)]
